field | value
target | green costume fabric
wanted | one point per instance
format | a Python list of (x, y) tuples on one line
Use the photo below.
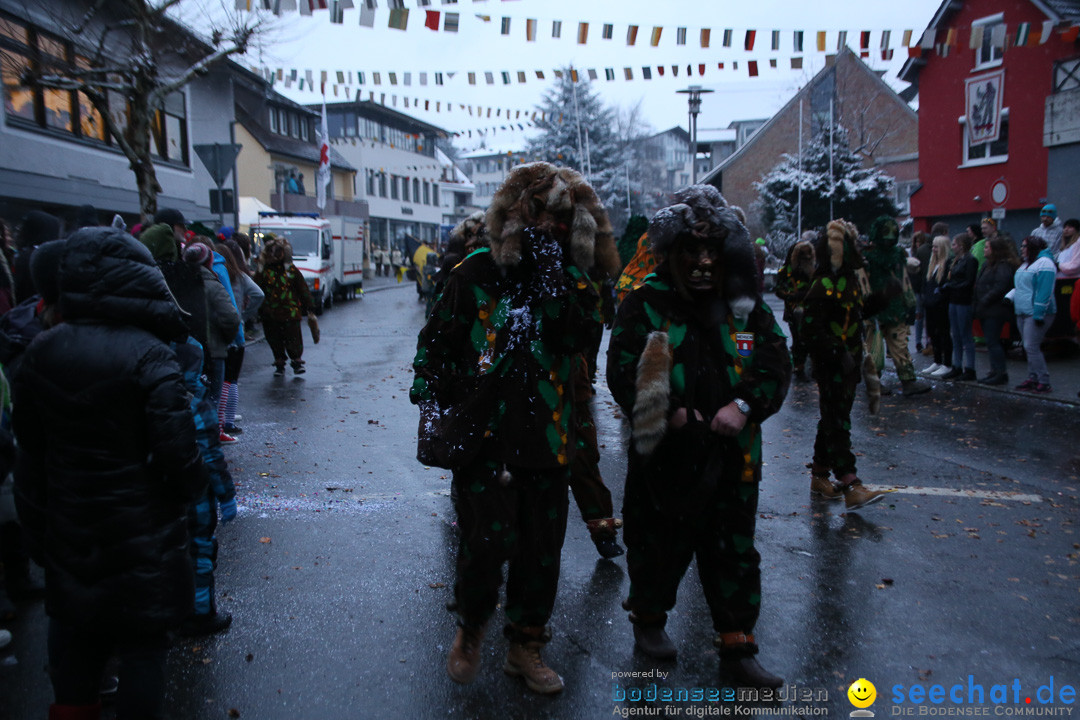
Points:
[(696, 494), (886, 263), (287, 294), (506, 337), (832, 328)]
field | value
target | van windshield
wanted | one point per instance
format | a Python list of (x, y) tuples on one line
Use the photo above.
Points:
[(304, 241)]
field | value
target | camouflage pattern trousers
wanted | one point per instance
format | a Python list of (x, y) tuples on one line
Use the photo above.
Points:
[(719, 531), (522, 523)]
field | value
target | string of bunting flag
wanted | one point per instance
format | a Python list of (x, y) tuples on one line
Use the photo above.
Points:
[(938, 40)]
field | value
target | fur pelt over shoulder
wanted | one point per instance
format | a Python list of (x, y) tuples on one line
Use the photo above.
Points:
[(700, 211), (653, 391), (540, 195)]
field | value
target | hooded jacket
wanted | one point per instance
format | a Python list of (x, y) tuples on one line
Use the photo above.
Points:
[(1034, 282), (108, 461), (886, 264)]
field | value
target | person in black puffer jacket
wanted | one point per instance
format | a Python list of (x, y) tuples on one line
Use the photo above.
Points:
[(107, 466)]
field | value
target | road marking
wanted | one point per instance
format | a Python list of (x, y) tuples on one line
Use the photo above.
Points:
[(981, 494)]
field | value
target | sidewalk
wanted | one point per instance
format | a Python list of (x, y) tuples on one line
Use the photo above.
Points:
[(1064, 374)]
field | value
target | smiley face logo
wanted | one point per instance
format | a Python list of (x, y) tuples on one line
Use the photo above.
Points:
[(862, 693)]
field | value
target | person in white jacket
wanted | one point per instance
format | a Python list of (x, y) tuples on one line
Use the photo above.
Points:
[(1035, 308)]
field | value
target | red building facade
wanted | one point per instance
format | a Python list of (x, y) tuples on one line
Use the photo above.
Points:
[(963, 181)]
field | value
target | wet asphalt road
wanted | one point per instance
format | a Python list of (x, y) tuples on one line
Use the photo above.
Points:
[(339, 567)]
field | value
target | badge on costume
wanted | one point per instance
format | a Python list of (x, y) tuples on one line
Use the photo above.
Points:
[(744, 343)]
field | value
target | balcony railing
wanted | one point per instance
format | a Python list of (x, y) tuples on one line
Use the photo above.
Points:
[(291, 202)]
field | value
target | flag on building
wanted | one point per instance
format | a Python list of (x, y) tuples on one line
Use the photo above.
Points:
[(323, 175)]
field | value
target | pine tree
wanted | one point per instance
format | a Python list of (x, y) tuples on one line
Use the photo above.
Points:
[(858, 194), (598, 151)]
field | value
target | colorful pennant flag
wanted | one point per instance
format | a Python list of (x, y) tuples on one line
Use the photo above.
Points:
[(399, 19), (432, 21), (748, 42), (656, 31), (582, 33), (608, 32), (505, 29), (797, 41), (705, 37), (631, 34), (450, 22), (727, 37), (752, 67), (556, 29), (821, 41), (680, 36)]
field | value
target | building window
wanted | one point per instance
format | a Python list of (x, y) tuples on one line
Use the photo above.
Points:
[(169, 130), (987, 55), (434, 194), (987, 153), (382, 184), (304, 131), (1067, 75), (273, 120), (371, 183), (393, 187), (405, 189), (24, 48), (416, 190), (427, 193)]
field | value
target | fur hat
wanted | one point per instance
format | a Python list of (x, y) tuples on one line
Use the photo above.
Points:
[(471, 228), (538, 193), (701, 211), (275, 250)]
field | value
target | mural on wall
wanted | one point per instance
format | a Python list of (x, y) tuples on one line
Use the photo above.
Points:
[(983, 106)]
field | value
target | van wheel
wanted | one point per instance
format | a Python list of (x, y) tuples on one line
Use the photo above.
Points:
[(319, 307)]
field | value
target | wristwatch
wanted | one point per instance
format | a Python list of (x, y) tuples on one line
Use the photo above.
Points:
[(744, 407)]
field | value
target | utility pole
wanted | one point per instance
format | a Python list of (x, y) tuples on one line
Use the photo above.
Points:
[(694, 93)]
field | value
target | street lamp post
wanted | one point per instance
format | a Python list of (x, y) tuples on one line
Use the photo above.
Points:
[(694, 93)]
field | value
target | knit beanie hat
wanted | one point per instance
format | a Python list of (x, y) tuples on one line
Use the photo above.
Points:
[(169, 216), (198, 254), (160, 241), (45, 269), (37, 227)]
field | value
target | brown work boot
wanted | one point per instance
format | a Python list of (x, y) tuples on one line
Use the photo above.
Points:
[(737, 651), (857, 495), (524, 661), (822, 486), (463, 661)]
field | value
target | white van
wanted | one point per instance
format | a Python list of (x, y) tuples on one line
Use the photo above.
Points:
[(317, 254)]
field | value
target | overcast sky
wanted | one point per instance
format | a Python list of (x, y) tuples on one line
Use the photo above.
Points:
[(314, 43)]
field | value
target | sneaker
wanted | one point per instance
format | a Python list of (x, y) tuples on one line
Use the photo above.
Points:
[(857, 495), (968, 375), (238, 417), (607, 546), (225, 438), (1042, 388), (995, 379), (232, 429), (941, 371), (279, 371), (953, 374), (1028, 384), (932, 369), (206, 624), (298, 369)]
